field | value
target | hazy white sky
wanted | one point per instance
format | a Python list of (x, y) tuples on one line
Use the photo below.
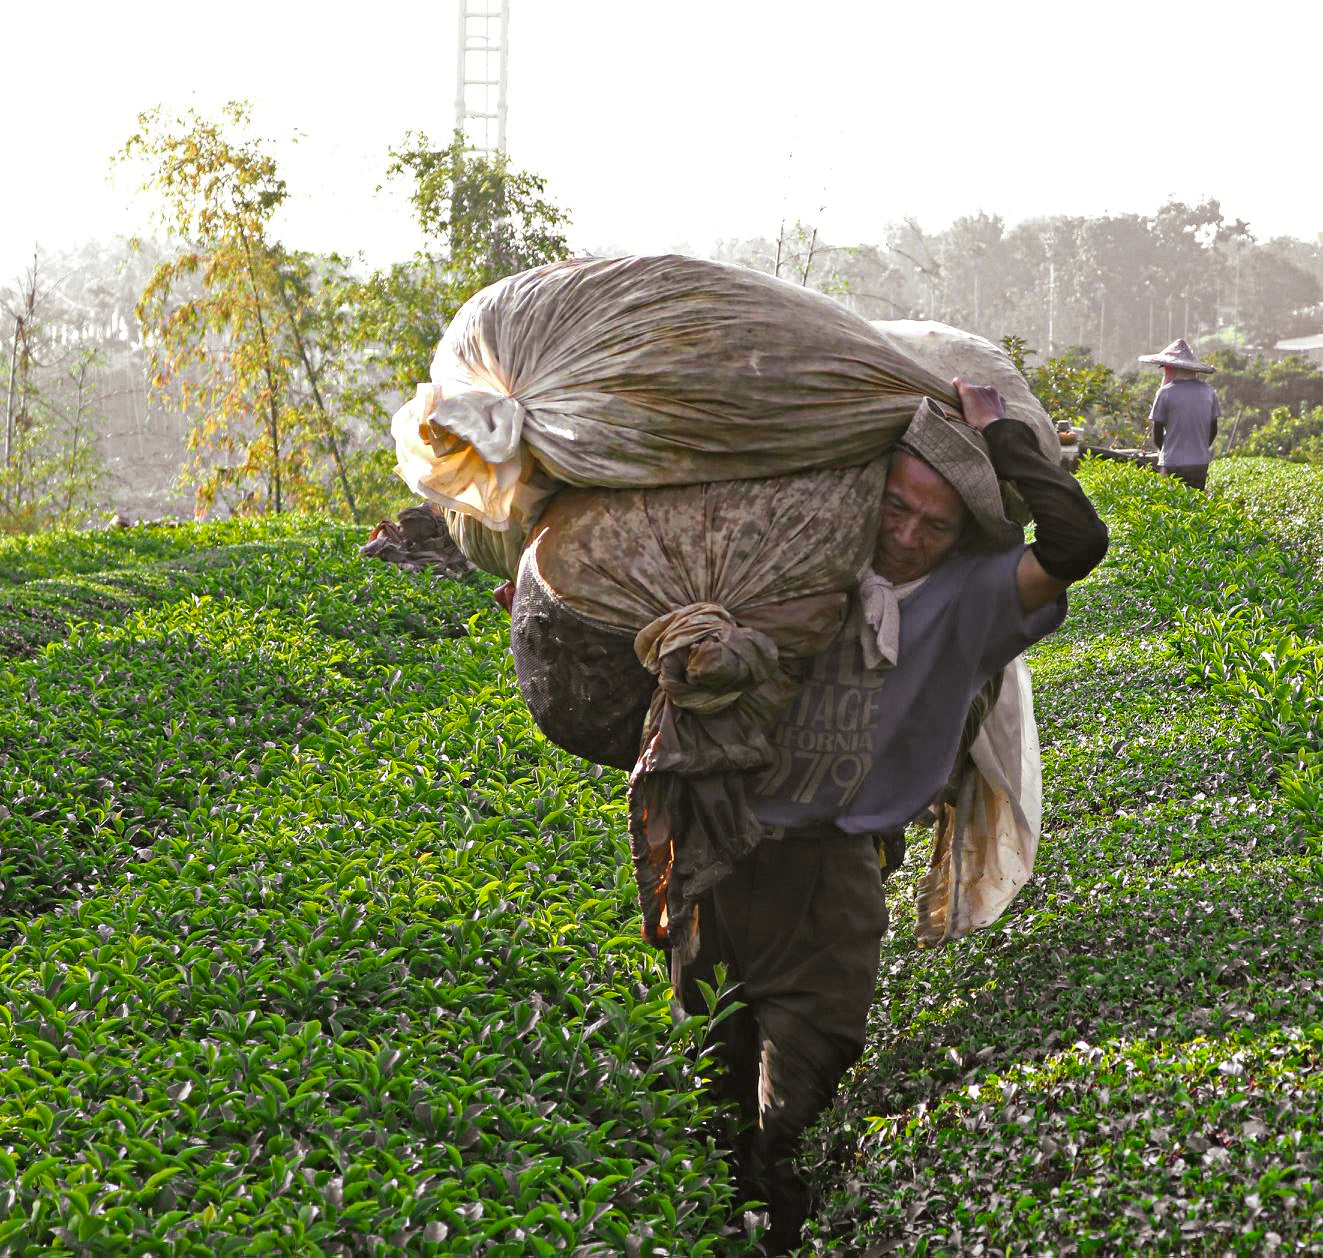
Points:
[(678, 122)]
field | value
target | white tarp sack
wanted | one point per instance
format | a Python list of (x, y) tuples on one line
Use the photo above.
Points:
[(625, 373), (947, 352)]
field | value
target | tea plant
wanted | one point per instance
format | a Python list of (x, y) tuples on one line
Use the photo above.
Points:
[(311, 944), (1285, 498), (1130, 1060)]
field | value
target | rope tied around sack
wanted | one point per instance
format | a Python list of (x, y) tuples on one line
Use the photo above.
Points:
[(720, 686), (705, 662)]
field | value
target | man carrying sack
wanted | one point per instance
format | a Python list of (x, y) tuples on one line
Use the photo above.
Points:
[(1184, 414), (951, 597)]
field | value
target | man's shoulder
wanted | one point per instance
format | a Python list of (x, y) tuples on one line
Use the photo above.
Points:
[(981, 591), (955, 574)]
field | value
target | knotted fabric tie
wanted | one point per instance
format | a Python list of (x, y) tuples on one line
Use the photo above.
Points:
[(713, 662), (880, 600)]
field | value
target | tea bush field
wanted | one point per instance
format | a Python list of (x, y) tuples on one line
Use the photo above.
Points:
[(310, 943), (1129, 1062), (1285, 498)]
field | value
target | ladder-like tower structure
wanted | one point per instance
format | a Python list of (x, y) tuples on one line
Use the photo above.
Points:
[(484, 28)]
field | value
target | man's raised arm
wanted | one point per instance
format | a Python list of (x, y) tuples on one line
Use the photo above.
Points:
[(1070, 539)]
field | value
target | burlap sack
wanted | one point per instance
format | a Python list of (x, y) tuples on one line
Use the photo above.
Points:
[(724, 589)]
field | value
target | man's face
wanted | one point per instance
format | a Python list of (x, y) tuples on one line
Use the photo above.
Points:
[(922, 516)]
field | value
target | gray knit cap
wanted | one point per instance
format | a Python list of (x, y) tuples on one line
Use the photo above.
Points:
[(960, 455)]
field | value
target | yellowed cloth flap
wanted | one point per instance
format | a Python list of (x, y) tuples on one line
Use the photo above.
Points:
[(502, 494), (985, 844)]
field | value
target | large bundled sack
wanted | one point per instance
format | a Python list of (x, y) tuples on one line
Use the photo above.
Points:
[(719, 592), (681, 460), (630, 372), (919, 349)]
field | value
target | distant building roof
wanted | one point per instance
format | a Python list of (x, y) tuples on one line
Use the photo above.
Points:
[(1302, 342)]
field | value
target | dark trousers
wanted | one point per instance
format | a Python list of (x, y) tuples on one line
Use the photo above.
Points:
[(798, 925), (1193, 474)]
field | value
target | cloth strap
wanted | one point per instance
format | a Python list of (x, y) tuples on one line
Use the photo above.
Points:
[(880, 600)]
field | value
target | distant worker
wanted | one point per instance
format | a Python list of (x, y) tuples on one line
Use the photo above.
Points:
[(1184, 415)]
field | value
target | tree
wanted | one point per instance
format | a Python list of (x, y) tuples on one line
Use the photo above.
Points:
[(1254, 392), (481, 220), (1042, 288), (51, 469), (89, 313), (1071, 385), (971, 253), (1119, 272), (1073, 388), (914, 256), (1278, 298), (229, 320), (22, 474), (78, 469), (1184, 273), (1289, 434), (1017, 350), (798, 255)]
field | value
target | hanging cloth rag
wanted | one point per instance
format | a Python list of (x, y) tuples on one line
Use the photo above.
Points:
[(879, 632)]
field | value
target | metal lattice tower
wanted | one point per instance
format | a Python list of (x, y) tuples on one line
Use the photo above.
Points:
[(484, 27)]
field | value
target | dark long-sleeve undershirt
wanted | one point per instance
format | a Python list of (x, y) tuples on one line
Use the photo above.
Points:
[(1070, 538)]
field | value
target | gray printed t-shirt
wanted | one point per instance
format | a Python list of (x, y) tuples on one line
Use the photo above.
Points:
[(1187, 410), (870, 749)]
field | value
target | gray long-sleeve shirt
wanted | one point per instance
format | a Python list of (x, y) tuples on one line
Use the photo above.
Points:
[(1184, 418)]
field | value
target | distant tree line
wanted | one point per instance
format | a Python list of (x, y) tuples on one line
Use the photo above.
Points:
[(272, 372), (265, 375), (1116, 286), (1076, 301)]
